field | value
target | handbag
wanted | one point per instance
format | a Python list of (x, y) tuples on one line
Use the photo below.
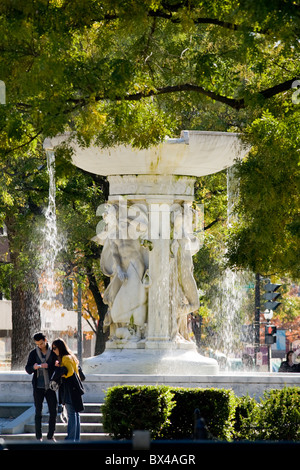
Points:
[(81, 374), (54, 386)]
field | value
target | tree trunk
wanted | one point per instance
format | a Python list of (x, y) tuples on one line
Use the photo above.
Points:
[(25, 302), (101, 336), (26, 321)]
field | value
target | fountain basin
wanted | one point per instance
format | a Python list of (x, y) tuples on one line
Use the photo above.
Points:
[(151, 362), (196, 153)]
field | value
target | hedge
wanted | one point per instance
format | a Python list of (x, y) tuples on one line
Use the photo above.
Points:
[(168, 413), (216, 407), (275, 418), (128, 408)]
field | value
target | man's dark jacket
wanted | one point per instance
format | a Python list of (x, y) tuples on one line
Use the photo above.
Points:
[(33, 358)]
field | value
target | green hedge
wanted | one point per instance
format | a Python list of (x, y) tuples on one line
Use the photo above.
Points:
[(244, 423), (167, 412), (275, 418), (128, 408), (216, 407)]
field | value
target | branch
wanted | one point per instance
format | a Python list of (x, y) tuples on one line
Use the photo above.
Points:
[(213, 21), (168, 11), (234, 103), (218, 219), (276, 89), (23, 145)]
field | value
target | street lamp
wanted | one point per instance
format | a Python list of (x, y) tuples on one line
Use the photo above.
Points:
[(79, 322), (268, 314)]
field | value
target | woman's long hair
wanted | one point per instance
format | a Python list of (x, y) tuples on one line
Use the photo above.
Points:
[(63, 349)]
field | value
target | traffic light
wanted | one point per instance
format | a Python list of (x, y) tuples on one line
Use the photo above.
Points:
[(271, 295), (270, 334)]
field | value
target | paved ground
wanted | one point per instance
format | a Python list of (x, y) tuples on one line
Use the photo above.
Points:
[(4, 422)]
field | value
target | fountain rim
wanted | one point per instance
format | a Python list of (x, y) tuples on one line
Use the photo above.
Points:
[(195, 153), (51, 142)]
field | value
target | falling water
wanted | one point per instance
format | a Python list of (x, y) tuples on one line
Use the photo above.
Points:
[(229, 305), (51, 245), (229, 308)]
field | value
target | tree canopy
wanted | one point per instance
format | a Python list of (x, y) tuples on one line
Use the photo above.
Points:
[(134, 71)]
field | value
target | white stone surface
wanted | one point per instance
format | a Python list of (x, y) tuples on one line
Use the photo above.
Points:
[(140, 186), (152, 288), (151, 362), (196, 153), (15, 387)]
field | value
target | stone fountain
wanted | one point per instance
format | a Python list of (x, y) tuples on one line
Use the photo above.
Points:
[(149, 229)]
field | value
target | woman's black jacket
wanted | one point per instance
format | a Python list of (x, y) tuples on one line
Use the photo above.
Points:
[(70, 389)]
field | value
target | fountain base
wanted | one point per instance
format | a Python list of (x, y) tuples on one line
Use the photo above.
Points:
[(179, 361)]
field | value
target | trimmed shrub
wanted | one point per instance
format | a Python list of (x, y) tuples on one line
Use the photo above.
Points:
[(245, 425), (167, 412), (279, 416), (216, 407), (128, 408), (275, 418)]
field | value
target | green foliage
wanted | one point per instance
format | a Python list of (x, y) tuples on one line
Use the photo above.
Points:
[(132, 72), (167, 412), (128, 408), (279, 417), (266, 237), (275, 418), (216, 407), (244, 421)]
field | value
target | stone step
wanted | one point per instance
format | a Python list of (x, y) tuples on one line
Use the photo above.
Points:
[(62, 427), (91, 427), (58, 436), (84, 418), (88, 408), (92, 408), (91, 417)]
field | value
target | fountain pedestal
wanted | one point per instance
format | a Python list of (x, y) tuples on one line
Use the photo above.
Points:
[(149, 232), (149, 333)]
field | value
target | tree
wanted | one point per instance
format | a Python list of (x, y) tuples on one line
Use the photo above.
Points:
[(77, 202), (20, 208), (266, 235)]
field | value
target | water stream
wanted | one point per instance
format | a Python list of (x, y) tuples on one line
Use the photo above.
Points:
[(51, 246), (232, 297)]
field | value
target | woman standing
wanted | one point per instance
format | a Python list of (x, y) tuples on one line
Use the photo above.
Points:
[(288, 365), (71, 389)]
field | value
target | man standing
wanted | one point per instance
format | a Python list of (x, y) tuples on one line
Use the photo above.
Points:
[(41, 363)]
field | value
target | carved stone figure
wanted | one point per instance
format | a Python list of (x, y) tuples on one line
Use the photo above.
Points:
[(183, 246), (125, 260)]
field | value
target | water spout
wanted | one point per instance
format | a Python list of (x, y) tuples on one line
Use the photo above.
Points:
[(51, 245)]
